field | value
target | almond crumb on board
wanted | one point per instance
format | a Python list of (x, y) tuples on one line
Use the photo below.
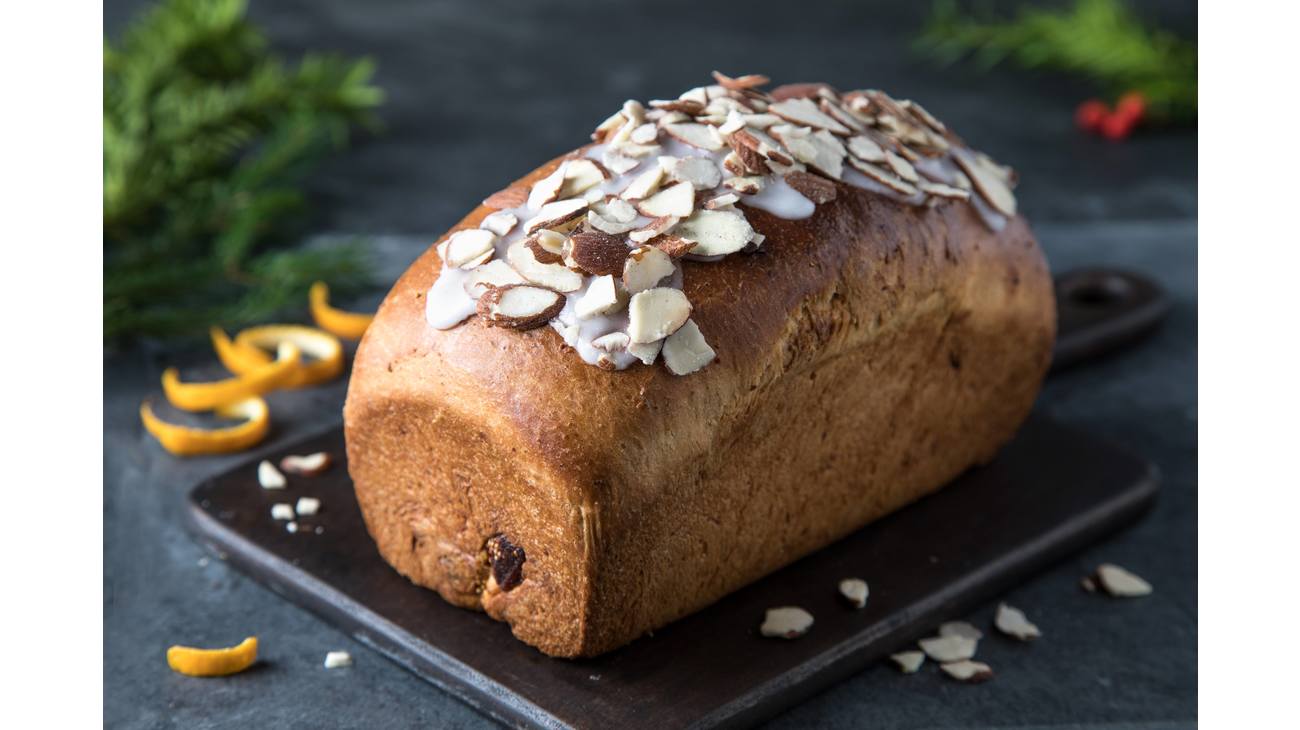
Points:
[(336, 659), (1012, 622), (1121, 583), (909, 662), (307, 506), (310, 465), (270, 477), (854, 591), (968, 671), (786, 622)]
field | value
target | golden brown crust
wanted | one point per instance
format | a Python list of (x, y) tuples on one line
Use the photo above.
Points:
[(866, 356)]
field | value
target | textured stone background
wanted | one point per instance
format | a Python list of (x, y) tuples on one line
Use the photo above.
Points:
[(481, 91)]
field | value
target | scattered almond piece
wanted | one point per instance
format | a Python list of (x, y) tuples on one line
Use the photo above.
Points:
[(744, 185), (989, 185), (310, 465), (960, 628), (866, 149), (951, 648), (813, 187), (291, 527), (700, 172), (644, 185), (270, 477), (1120, 582), (716, 232), (675, 246), (786, 622), (602, 297), (500, 222), (493, 273), (696, 135), (901, 167), (909, 662), (654, 228), (644, 268), (646, 352), (307, 506), (553, 215), (685, 350), (520, 306), (282, 511), (855, 591), (465, 249), (721, 201), (581, 174), (807, 112), (548, 188), (654, 314), (884, 177), (747, 81), (943, 191), (677, 201), (1012, 622), (551, 276), (598, 253), (967, 671), (336, 659)]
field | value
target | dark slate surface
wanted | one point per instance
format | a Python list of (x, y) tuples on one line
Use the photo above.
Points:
[(480, 92)]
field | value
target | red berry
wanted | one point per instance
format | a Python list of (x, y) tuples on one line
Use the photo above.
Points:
[(1117, 126), (1088, 116), (1132, 105)]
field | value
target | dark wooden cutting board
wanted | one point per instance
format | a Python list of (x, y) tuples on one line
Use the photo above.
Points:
[(1050, 492)]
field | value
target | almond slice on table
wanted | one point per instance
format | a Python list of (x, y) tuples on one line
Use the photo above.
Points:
[(989, 185), (950, 648), (500, 222), (674, 246), (909, 662), (644, 268), (700, 172), (786, 622), (548, 188), (307, 506), (884, 177), (855, 591), (597, 253), (511, 197), (677, 201), (701, 136), (960, 628), (644, 185), (685, 350), (1121, 583), (520, 306), (463, 249), (581, 174), (554, 215), (654, 314), (270, 477), (808, 113), (602, 297), (744, 185), (1012, 622), (654, 228), (943, 191), (282, 511), (716, 232), (968, 671), (551, 276), (813, 187), (748, 81), (309, 465)]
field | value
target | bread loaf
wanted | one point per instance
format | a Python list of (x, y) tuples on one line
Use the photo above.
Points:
[(642, 412)]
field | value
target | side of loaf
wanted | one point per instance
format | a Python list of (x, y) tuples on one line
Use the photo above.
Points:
[(862, 357)]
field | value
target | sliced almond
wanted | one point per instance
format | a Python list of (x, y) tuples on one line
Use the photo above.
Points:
[(968, 671), (866, 149), (616, 161), (654, 228), (612, 342), (722, 201), (1121, 583), (520, 306), (611, 221), (786, 622), (602, 297), (828, 157), (716, 232), (644, 268), (807, 112), (747, 81), (598, 253), (813, 187), (685, 350), (744, 185), (838, 113), (581, 174), (677, 201), (493, 273), (270, 477), (701, 136), (685, 106), (951, 648), (500, 222), (465, 248), (855, 592), (644, 185), (765, 146), (990, 186), (943, 191), (511, 197), (554, 215), (644, 134), (548, 188), (960, 628), (551, 276), (1012, 622), (884, 177), (607, 127), (543, 246), (901, 167), (309, 466), (734, 122), (909, 662), (762, 121), (700, 172), (656, 313), (698, 94), (646, 352), (667, 117), (920, 113)]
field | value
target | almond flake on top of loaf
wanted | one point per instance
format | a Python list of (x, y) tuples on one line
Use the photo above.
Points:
[(551, 276), (520, 306), (747, 81), (676, 201), (654, 314), (716, 232), (685, 350), (553, 215), (702, 136)]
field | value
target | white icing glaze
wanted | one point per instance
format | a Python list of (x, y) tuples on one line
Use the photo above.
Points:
[(781, 200)]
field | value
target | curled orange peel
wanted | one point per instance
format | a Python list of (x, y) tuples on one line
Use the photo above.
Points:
[(251, 349), (213, 662), (255, 381), (348, 325), (188, 441)]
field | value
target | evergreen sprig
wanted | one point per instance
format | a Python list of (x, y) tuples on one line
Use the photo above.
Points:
[(1102, 40), (207, 137)]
